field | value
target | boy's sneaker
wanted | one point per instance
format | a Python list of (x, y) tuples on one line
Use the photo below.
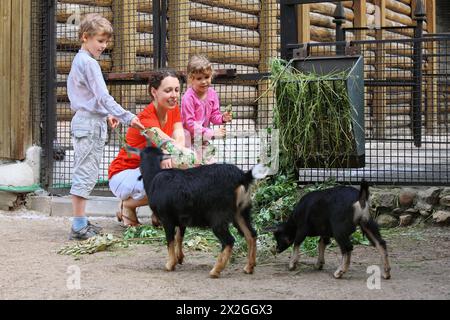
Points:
[(84, 233), (96, 228)]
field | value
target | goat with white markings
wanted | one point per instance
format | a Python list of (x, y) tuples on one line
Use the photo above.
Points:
[(211, 196), (333, 212)]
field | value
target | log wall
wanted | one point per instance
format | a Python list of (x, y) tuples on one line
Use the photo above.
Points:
[(242, 35)]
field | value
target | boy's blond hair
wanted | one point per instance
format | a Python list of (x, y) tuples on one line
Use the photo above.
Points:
[(94, 23), (199, 64)]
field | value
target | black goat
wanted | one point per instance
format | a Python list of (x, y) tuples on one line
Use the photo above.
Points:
[(333, 212), (206, 196)]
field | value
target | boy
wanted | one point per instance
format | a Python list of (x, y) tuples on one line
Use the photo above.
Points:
[(93, 105)]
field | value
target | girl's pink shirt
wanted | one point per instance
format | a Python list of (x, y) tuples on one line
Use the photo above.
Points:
[(197, 115)]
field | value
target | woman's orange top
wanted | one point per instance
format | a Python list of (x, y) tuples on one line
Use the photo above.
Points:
[(134, 138)]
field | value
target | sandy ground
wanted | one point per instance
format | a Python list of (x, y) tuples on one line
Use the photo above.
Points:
[(30, 268)]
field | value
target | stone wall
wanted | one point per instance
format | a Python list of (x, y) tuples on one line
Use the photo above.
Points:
[(402, 206)]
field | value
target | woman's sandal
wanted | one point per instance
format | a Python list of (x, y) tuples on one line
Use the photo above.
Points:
[(124, 215)]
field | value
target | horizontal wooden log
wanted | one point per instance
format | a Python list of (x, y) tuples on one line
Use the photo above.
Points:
[(246, 6), (321, 20), (370, 8), (241, 112), (144, 22), (399, 18), (321, 34), (407, 2), (145, 6), (391, 61), (223, 16), (399, 7), (405, 32), (144, 64), (64, 62), (67, 37), (144, 44), (225, 53), (96, 3), (240, 69), (63, 112), (328, 9), (223, 34), (65, 11)]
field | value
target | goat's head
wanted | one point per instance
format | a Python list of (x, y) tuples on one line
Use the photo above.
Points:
[(283, 237), (150, 156)]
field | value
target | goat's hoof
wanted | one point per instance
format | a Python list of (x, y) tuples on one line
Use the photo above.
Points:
[(248, 269), (180, 259), (292, 267), (214, 274), (170, 267), (387, 275), (319, 266), (338, 274)]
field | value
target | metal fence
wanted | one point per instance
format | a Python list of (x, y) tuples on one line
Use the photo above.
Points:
[(240, 40), (406, 106)]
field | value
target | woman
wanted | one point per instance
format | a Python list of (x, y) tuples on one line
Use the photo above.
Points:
[(163, 115)]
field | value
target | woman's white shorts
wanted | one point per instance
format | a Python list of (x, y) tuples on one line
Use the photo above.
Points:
[(125, 184)]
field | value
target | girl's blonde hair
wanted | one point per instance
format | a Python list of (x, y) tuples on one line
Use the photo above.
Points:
[(94, 23), (199, 64)]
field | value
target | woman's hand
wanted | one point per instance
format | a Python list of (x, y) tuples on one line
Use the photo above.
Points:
[(166, 164)]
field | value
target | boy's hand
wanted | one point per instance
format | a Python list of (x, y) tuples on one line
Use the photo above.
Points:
[(113, 122), (136, 123), (220, 132), (227, 116)]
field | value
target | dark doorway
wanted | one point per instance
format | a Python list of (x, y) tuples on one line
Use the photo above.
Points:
[(442, 16)]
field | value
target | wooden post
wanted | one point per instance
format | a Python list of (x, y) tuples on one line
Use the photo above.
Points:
[(15, 78), (268, 50), (179, 28), (124, 52), (5, 78), (360, 20), (303, 23), (379, 96)]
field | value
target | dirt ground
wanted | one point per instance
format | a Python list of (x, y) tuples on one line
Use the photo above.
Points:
[(30, 268)]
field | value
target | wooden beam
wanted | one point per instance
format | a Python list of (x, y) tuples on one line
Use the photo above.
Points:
[(431, 15), (360, 10), (124, 53), (303, 23), (268, 50), (178, 34)]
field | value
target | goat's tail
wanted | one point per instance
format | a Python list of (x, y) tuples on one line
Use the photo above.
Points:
[(363, 193)]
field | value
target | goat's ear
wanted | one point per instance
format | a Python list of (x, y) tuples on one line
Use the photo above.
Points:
[(130, 149)]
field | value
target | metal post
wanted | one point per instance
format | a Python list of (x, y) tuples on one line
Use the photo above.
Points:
[(163, 34), (48, 74), (420, 17), (339, 19), (288, 29), (156, 34)]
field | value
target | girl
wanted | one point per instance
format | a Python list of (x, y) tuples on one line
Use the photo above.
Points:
[(200, 104)]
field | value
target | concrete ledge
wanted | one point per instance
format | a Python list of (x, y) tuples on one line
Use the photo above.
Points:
[(62, 206)]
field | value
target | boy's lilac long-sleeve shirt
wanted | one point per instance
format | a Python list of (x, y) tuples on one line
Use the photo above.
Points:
[(197, 115), (87, 89)]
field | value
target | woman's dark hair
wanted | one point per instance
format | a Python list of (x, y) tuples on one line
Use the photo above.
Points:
[(158, 76)]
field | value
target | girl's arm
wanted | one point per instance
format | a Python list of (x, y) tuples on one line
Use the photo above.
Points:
[(216, 116), (178, 134), (190, 123)]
